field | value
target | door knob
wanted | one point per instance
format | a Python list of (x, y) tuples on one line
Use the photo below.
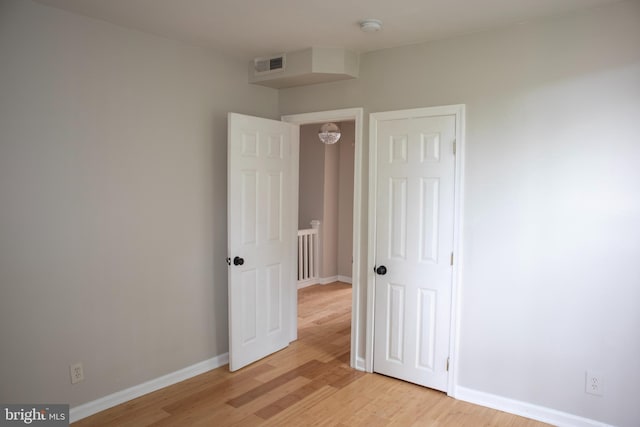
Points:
[(238, 261), (382, 270)]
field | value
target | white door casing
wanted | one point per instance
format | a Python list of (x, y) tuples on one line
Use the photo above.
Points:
[(261, 206), (414, 220)]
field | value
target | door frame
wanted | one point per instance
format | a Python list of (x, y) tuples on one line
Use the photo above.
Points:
[(347, 114), (374, 118)]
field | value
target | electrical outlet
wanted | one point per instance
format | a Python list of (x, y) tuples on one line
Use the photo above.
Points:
[(77, 373), (594, 383)]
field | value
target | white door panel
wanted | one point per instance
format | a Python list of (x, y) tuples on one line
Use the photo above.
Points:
[(260, 232), (414, 241)]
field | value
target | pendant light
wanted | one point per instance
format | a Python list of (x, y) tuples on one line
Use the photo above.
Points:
[(329, 133)]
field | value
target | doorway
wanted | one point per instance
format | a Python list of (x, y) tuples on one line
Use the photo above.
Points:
[(325, 202), (346, 115)]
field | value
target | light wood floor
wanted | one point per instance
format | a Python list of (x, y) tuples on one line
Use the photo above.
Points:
[(309, 383)]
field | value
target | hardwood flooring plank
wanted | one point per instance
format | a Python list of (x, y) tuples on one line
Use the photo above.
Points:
[(298, 414), (308, 370)]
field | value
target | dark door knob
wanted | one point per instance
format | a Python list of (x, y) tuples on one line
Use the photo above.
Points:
[(382, 270), (238, 261)]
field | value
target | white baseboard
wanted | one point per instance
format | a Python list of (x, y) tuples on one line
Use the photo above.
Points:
[(360, 364), (323, 281), (308, 282), (90, 408), (524, 409)]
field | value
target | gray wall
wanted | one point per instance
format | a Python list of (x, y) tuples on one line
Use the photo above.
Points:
[(112, 203), (311, 185), (330, 212), (345, 198), (552, 202)]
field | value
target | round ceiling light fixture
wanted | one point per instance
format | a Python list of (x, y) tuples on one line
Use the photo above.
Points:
[(370, 25), (329, 133)]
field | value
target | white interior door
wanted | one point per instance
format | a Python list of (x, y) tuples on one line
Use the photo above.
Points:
[(261, 202), (414, 242)]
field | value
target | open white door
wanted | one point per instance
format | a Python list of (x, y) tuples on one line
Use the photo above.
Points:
[(415, 169), (262, 190)]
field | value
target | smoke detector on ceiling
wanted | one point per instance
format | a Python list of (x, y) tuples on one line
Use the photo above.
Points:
[(370, 25)]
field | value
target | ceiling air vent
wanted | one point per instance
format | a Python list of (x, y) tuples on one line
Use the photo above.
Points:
[(269, 65), (303, 67)]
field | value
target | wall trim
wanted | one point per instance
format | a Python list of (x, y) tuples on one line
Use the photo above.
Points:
[(524, 409), (327, 280), (306, 283), (344, 279), (324, 281), (359, 363), (87, 409)]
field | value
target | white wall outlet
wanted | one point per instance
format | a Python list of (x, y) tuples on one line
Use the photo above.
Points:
[(594, 383), (77, 373)]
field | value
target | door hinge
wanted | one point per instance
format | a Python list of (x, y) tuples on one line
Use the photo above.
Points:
[(451, 258), (447, 364), (454, 148)]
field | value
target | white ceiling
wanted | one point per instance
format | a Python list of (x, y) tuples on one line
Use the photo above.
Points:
[(250, 28)]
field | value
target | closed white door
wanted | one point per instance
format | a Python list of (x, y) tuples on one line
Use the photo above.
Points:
[(261, 237), (414, 246)]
